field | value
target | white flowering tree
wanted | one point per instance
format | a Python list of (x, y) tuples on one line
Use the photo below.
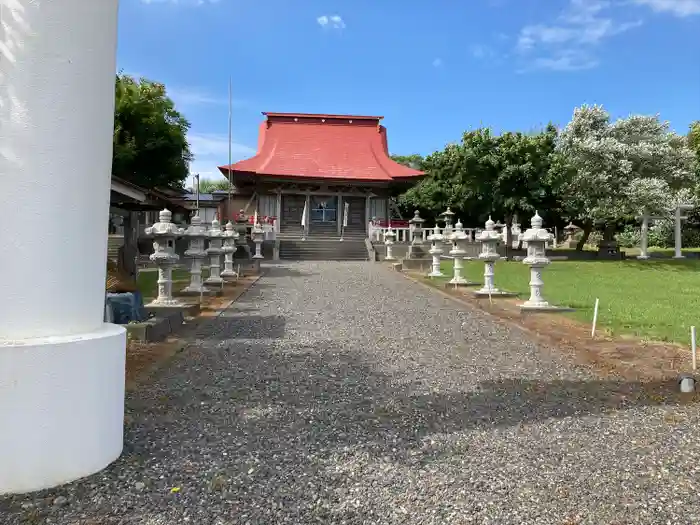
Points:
[(621, 169)]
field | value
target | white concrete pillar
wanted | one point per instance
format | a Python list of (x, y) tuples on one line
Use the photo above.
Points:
[(61, 366)]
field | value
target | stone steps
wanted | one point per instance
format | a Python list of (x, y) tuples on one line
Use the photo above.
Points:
[(323, 250)]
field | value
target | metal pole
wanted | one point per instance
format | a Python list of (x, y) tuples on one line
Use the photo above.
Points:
[(196, 178), (230, 139)]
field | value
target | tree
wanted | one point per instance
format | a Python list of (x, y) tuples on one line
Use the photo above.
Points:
[(487, 175), (694, 143), (414, 161), (150, 135), (609, 172), (520, 186), (210, 185)]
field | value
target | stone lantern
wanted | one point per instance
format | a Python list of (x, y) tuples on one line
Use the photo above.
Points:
[(447, 217), (416, 229), (164, 234), (196, 234), (436, 238), (389, 236), (257, 235), (570, 230), (490, 239), (229, 248), (242, 229), (459, 238), (536, 238), (215, 236)]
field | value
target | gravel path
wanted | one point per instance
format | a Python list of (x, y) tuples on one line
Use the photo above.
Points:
[(341, 393)]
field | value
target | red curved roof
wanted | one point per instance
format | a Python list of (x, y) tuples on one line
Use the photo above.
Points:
[(341, 147)]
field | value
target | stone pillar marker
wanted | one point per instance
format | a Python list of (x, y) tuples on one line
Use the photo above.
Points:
[(164, 234), (389, 237), (229, 248), (537, 238), (436, 238), (458, 238), (257, 234), (61, 366), (490, 239), (214, 252), (196, 234), (416, 229)]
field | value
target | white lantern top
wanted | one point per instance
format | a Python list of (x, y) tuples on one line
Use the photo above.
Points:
[(536, 233), (458, 234), (436, 236), (164, 227), (196, 229), (215, 229), (230, 230), (490, 233)]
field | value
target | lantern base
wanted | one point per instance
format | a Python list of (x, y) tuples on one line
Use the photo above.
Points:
[(61, 407), (544, 307), (493, 293), (460, 284)]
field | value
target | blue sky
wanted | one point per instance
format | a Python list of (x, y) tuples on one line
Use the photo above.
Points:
[(433, 69)]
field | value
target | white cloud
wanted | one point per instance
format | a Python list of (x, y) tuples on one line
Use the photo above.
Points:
[(192, 96), (680, 8), (437, 62), (331, 22), (569, 43), (481, 52), (214, 145), (211, 150)]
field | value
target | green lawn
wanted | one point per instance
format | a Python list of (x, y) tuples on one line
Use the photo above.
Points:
[(147, 281), (653, 300)]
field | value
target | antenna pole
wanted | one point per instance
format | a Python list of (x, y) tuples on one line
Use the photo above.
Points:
[(196, 178), (230, 139)]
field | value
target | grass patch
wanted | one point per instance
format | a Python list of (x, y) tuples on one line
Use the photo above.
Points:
[(147, 281), (653, 300)]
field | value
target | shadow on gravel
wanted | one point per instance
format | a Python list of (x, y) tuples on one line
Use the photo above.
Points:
[(250, 429)]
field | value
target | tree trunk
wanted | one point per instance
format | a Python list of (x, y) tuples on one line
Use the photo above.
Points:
[(587, 229)]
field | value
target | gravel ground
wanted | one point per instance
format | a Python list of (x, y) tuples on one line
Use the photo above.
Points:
[(342, 393)]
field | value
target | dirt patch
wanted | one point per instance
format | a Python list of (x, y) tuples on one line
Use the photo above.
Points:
[(627, 358), (144, 359)]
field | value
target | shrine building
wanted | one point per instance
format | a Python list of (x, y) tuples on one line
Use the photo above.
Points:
[(321, 165)]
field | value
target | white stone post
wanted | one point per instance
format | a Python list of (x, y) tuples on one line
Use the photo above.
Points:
[(458, 238), (196, 234), (490, 239), (257, 235), (229, 248), (536, 238), (436, 251), (61, 366), (164, 234), (389, 236), (214, 252), (644, 238)]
